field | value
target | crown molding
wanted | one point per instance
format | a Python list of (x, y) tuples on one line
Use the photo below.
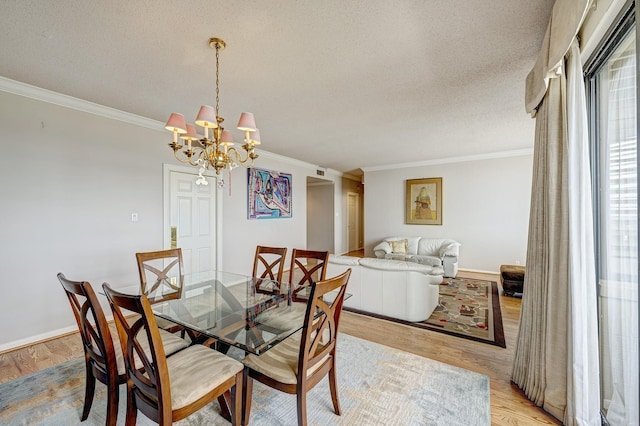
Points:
[(44, 95), (451, 160), (33, 92), (288, 160)]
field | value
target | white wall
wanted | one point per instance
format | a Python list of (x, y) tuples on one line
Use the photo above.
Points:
[(485, 208), (240, 235), (69, 181)]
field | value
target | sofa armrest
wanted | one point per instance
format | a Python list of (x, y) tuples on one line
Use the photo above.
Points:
[(451, 248), (450, 265), (382, 249)]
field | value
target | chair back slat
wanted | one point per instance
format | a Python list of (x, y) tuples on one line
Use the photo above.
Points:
[(268, 264), (158, 267), (322, 318), (307, 267), (92, 337)]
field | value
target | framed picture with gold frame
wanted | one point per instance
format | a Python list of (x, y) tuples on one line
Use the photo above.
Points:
[(424, 201)]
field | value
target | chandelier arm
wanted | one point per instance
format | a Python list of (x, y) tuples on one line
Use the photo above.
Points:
[(187, 159), (250, 156), (200, 159)]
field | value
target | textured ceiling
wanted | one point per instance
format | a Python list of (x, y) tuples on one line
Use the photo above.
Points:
[(340, 84)]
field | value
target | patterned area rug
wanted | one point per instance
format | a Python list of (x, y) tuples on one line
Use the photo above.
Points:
[(377, 385), (467, 308)]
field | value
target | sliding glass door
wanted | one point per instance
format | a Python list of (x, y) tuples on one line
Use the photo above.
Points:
[(612, 85)]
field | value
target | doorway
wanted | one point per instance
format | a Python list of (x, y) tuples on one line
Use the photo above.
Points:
[(353, 221), (191, 218), (320, 214)]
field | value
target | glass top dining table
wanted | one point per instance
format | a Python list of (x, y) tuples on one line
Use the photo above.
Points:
[(228, 307)]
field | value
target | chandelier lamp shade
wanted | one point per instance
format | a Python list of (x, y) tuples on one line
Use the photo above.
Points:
[(216, 149)]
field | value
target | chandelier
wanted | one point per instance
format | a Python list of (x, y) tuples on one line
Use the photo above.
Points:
[(215, 151)]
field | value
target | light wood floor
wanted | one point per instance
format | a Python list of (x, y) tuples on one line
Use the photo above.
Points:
[(508, 404)]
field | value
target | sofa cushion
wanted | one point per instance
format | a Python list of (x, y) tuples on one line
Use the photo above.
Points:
[(427, 260), (399, 246), (398, 256), (412, 243), (395, 265), (429, 247), (344, 260)]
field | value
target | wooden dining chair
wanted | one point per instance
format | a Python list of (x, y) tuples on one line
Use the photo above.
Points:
[(168, 389), (103, 355), (268, 267), (99, 348), (158, 267), (299, 362), (307, 267), (161, 267)]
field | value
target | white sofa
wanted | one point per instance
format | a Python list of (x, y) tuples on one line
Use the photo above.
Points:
[(428, 251), (404, 290)]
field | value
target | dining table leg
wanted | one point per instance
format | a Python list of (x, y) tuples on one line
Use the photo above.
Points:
[(225, 405)]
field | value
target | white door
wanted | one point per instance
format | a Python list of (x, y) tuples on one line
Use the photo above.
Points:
[(192, 220), (353, 214)]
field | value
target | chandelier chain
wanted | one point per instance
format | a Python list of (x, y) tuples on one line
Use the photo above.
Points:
[(217, 79)]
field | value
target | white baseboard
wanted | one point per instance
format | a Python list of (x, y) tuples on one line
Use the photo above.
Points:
[(16, 344), (479, 271), (43, 337)]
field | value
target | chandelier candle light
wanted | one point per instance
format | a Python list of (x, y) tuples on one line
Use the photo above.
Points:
[(216, 151)]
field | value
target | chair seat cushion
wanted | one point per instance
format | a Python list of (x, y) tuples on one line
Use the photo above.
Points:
[(165, 324), (170, 342), (283, 317), (267, 284), (280, 362), (195, 371)]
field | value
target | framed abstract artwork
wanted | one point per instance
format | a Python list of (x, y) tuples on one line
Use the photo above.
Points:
[(269, 194), (424, 201)]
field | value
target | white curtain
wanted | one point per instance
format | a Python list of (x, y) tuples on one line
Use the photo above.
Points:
[(619, 276), (583, 377), (556, 360)]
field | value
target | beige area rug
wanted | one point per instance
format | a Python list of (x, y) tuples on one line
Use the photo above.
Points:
[(377, 385)]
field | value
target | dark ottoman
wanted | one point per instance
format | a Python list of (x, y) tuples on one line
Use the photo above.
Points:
[(512, 279)]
